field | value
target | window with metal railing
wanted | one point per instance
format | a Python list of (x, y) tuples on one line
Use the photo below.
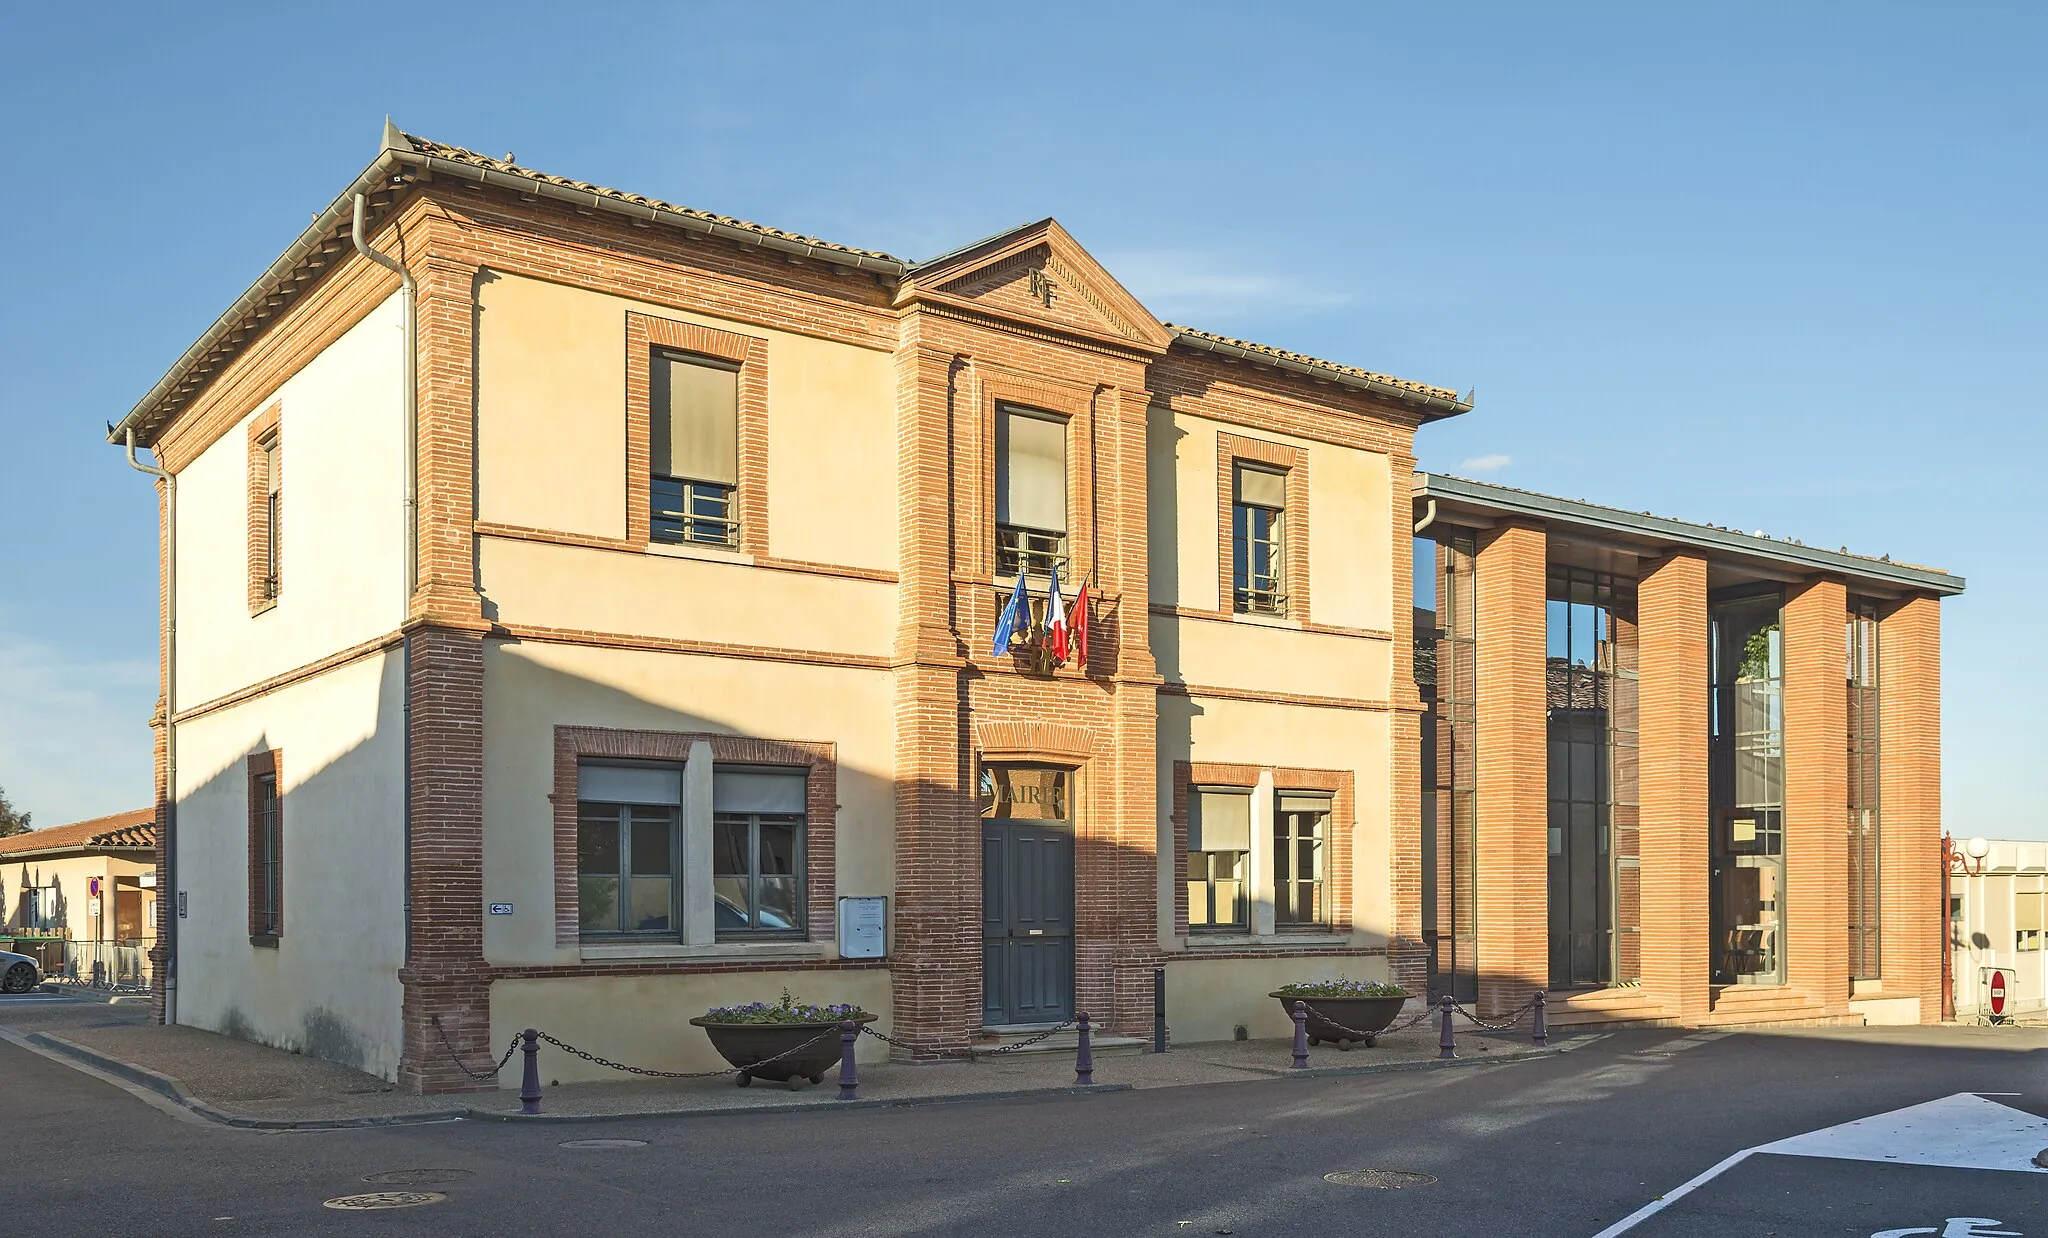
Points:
[(692, 512), (693, 449), (1036, 552), (1258, 522)]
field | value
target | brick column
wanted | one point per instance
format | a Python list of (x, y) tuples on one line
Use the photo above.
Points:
[(1909, 802), (935, 963), (1817, 791), (447, 984), (1513, 856), (1672, 628)]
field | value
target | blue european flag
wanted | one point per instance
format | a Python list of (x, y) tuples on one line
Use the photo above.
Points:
[(1012, 611)]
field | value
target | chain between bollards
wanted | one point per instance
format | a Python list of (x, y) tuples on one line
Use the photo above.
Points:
[(1084, 1055), (529, 1078)]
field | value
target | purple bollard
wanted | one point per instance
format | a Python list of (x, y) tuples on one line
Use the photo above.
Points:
[(529, 1079), (1084, 1056), (1446, 1046), (1540, 1031), (849, 1079), (1300, 1015)]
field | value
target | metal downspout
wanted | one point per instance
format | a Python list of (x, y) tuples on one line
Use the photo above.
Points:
[(411, 537), (1428, 518), (168, 912)]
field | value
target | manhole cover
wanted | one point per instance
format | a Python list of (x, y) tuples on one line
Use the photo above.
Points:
[(1380, 1179), (605, 1143), (419, 1177), (385, 1199)]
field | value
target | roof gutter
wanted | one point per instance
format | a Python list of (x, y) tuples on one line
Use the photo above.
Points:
[(398, 155), (1440, 405)]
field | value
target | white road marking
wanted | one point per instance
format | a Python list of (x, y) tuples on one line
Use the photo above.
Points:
[(1964, 1131)]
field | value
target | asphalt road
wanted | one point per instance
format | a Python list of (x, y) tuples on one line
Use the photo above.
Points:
[(1560, 1146)]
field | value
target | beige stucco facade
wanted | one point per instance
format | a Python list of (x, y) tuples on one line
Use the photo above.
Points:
[(433, 733)]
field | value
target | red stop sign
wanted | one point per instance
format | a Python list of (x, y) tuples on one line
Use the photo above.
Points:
[(1997, 992)]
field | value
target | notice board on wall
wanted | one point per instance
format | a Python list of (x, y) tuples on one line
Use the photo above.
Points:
[(864, 927)]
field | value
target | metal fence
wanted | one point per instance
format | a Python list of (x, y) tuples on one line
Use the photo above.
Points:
[(104, 965)]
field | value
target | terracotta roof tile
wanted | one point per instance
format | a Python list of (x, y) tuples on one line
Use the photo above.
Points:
[(136, 828), (458, 154), (1281, 354)]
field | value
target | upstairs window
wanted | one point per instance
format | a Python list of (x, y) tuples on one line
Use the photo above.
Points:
[(1258, 524), (758, 852), (1031, 491), (693, 437), (1219, 859), (266, 509)]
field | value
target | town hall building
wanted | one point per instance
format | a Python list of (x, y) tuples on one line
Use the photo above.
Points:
[(581, 610)]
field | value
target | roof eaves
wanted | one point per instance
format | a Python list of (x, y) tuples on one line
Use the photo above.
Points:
[(1439, 402), (404, 158), (1614, 520)]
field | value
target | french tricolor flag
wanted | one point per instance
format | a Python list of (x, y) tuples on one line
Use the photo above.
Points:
[(1056, 620)]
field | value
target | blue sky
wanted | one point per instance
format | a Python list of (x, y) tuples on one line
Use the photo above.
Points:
[(1776, 267)]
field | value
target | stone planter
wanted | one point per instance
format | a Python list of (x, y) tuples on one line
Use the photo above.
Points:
[(743, 1044), (1336, 1019)]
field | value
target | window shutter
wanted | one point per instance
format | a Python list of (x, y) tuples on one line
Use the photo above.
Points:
[(1222, 822), (1031, 471), (693, 430), (629, 784), (756, 791), (1304, 803), (1261, 487)]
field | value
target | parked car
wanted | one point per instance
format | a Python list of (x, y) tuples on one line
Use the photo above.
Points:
[(18, 973)]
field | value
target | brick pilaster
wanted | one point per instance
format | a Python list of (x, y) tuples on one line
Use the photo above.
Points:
[(1512, 912), (1909, 801), (1817, 792), (447, 989), (1672, 629)]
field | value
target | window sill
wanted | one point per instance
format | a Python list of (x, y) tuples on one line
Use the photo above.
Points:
[(1272, 941), (703, 554), (265, 941), (263, 608), (1258, 620), (665, 951)]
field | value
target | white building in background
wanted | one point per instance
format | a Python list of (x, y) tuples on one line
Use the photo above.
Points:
[(1996, 908)]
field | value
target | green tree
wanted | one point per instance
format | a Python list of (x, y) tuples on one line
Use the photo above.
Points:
[(11, 821)]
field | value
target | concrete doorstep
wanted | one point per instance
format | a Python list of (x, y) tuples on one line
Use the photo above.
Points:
[(244, 1085)]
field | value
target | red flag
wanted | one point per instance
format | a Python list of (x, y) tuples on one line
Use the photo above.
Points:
[(1077, 627)]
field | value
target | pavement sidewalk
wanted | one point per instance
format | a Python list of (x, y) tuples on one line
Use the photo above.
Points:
[(241, 1083)]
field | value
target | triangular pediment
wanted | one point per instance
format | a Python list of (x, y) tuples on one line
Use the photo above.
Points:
[(1037, 275)]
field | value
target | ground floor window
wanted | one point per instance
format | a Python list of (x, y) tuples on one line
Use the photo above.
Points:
[(628, 849), (758, 852), (1219, 854), (1300, 827)]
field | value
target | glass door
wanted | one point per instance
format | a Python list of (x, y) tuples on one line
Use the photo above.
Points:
[(1747, 782)]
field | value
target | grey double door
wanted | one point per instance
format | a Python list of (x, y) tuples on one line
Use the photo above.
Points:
[(1027, 921)]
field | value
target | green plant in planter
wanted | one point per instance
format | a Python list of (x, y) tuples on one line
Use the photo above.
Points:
[(1343, 988), (788, 1010)]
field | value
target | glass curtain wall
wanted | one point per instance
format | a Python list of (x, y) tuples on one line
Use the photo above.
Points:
[(1746, 776), (1864, 908), (1456, 766), (1590, 682)]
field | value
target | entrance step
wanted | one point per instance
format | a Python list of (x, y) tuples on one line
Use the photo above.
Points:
[(993, 1044), (1754, 1005), (1625, 1006)]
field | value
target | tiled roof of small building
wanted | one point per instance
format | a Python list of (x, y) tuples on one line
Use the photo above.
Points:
[(132, 829), (1281, 354), (457, 154)]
